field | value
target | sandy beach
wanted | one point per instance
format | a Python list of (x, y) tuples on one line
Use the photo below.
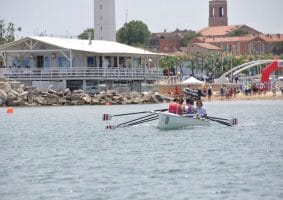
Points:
[(242, 96)]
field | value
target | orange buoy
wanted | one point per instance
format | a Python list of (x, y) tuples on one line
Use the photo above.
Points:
[(107, 104), (10, 110)]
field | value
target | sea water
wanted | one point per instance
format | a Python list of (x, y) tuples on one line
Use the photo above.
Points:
[(66, 153)]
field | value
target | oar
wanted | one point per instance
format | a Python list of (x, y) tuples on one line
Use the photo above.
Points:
[(106, 117), (211, 117), (226, 122), (133, 122), (142, 121), (221, 122)]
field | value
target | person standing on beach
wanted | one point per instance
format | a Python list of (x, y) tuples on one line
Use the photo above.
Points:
[(273, 89), (222, 92), (209, 93)]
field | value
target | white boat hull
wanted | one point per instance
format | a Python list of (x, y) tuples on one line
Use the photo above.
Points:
[(169, 121)]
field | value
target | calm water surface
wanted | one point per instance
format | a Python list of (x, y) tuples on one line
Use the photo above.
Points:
[(66, 153)]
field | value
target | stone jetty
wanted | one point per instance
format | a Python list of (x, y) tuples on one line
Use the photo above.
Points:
[(13, 93)]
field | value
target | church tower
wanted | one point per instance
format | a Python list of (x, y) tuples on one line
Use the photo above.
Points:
[(218, 15), (104, 20)]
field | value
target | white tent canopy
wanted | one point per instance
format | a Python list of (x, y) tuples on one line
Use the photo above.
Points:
[(192, 80)]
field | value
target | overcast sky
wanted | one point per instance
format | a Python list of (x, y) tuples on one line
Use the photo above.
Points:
[(71, 17)]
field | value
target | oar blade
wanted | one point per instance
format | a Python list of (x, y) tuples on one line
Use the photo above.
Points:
[(106, 117), (234, 122), (111, 127)]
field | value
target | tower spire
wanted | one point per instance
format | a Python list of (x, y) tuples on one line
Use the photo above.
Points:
[(104, 20), (218, 13)]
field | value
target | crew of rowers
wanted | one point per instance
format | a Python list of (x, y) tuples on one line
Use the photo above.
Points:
[(180, 108)]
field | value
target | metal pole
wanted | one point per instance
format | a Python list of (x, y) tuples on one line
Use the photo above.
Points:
[(1, 32), (71, 59)]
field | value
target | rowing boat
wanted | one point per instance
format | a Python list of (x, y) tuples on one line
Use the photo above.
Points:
[(169, 121)]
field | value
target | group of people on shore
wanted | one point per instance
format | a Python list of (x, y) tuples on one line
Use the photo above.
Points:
[(180, 107)]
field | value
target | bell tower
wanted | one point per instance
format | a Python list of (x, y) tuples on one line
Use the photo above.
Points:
[(218, 15)]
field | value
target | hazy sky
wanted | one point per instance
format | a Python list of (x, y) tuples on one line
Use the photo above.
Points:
[(71, 17)]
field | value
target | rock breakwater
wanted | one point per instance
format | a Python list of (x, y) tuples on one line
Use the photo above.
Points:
[(13, 93)]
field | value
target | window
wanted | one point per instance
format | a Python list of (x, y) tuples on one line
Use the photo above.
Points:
[(26, 62), (100, 6), (63, 62), (40, 61), (221, 12), (46, 61), (212, 14), (91, 61)]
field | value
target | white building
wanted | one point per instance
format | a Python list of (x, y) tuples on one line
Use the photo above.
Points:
[(104, 20), (77, 64)]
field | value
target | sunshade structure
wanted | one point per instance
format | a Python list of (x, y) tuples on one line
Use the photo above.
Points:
[(192, 81)]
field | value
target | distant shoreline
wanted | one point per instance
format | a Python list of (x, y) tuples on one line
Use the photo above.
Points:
[(239, 97)]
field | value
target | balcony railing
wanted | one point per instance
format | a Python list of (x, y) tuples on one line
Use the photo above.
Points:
[(150, 74)]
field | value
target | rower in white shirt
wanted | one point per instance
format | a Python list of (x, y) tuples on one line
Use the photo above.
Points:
[(201, 111)]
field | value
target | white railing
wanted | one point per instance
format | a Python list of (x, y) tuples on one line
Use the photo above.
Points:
[(82, 73), (170, 80)]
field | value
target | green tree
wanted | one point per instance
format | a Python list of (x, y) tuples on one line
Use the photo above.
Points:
[(238, 32), (134, 33), (189, 36), (84, 35), (170, 63), (7, 32), (278, 48)]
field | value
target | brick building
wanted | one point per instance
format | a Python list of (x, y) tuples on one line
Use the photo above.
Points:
[(218, 36), (202, 48), (236, 39), (168, 42)]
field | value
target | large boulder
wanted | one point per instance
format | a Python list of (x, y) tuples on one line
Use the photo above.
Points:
[(86, 98), (39, 100), (6, 86), (15, 85), (52, 100), (3, 97), (95, 101), (62, 101)]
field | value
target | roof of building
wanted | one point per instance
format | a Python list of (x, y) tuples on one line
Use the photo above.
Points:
[(218, 30), (170, 35), (223, 30), (246, 38), (226, 39), (96, 46), (207, 46), (272, 37)]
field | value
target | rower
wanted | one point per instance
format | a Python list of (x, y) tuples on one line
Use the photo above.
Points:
[(201, 111), (180, 107), (173, 106), (189, 107)]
